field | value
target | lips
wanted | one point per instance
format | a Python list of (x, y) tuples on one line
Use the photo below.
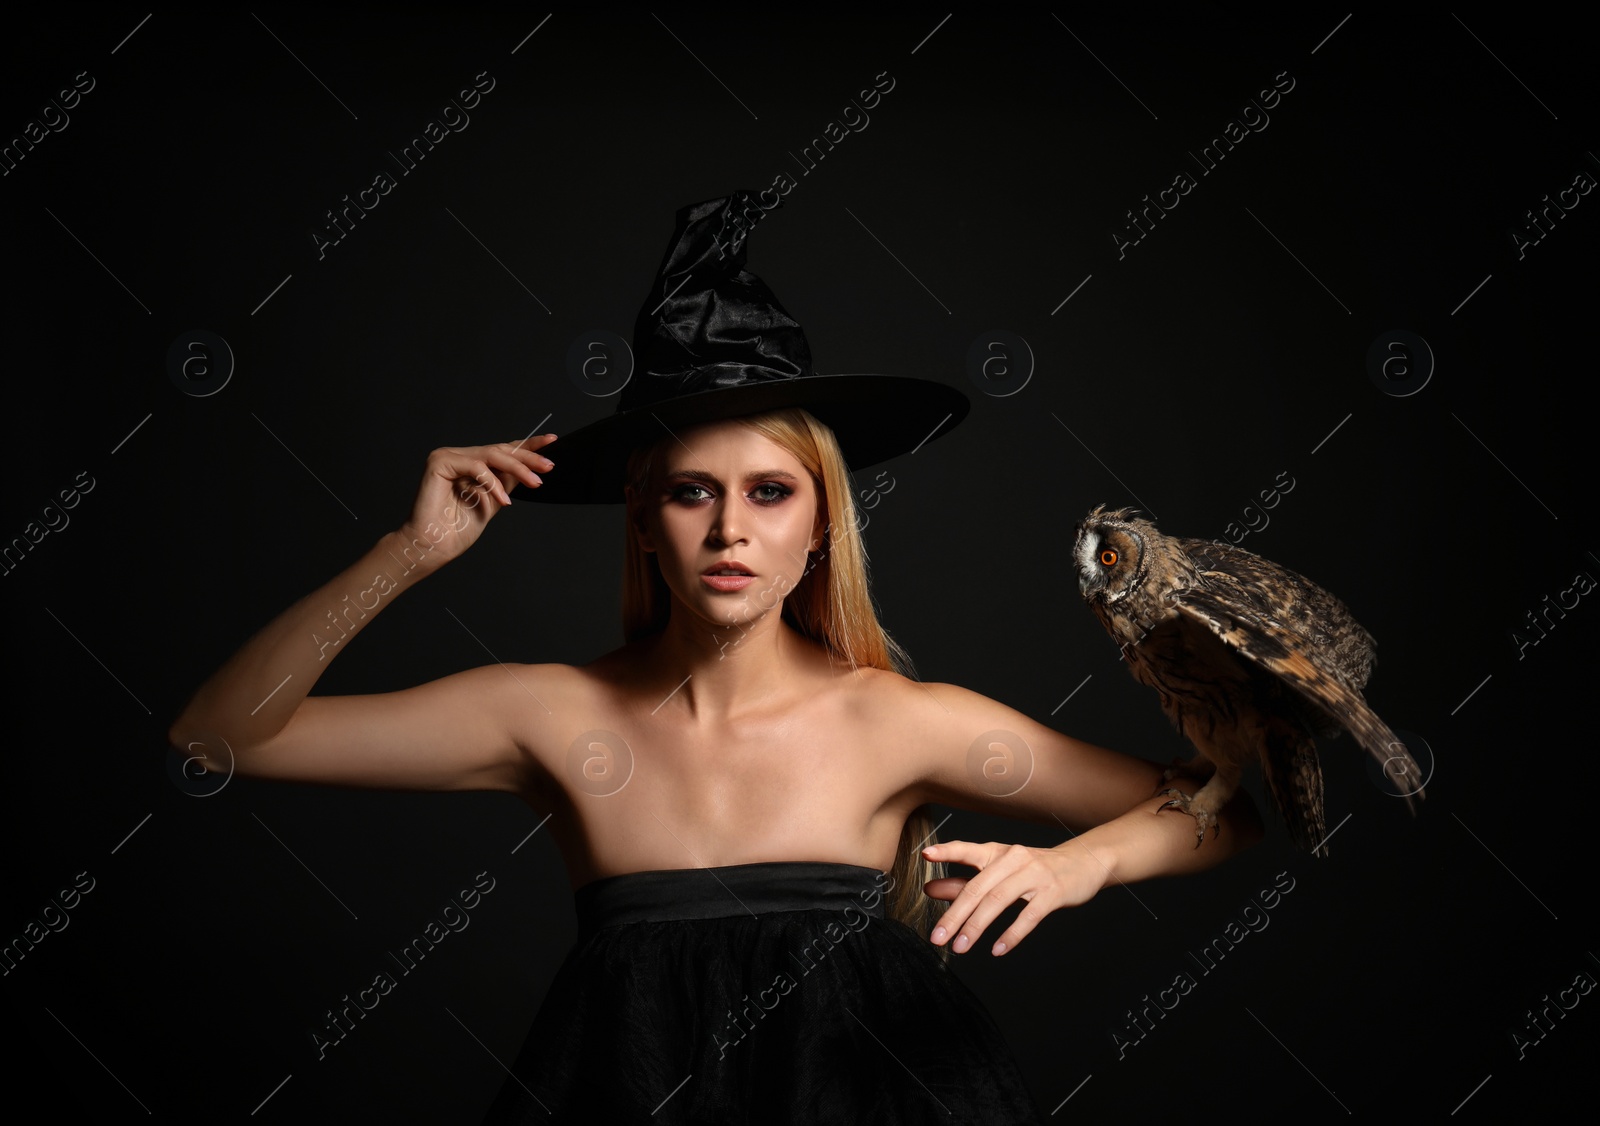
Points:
[(727, 577)]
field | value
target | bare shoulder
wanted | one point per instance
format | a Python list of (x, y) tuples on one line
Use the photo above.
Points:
[(605, 677), (590, 681), (917, 722), (541, 708), (540, 701), (510, 688), (549, 704), (882, 695), (553, 675), (931, 702), (962, 748)]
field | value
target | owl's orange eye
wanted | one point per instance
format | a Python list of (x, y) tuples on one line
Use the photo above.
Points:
[(1108, 557)]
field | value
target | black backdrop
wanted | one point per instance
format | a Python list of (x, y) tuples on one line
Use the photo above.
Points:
[(1188, 372)]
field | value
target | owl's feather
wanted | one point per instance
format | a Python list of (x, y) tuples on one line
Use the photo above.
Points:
[(1293, 775), (1251, 661), (1277, 593), (1284, 652)]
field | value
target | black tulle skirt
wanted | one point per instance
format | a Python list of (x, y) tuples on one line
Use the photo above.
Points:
[(757, 993)]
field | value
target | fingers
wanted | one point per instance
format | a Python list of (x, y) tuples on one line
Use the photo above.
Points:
[(483, 478), (946, 888), (1008, 873), (530, 448), (963, 852), (526, 454), (516, 464), (536, 441), (1022, 926), (495, 469)]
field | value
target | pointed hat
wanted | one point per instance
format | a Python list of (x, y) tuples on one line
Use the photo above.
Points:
[(712, 342)]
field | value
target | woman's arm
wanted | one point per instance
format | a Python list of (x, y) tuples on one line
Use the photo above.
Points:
[(254, 715), (1142, 843), (1022, 768)]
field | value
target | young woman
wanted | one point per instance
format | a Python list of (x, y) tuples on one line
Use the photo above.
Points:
[(738, 792)]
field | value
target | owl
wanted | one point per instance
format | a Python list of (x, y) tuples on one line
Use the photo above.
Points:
[(1251, 662)]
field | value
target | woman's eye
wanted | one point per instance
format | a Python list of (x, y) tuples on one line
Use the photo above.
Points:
[(769, 493), (689, 492)]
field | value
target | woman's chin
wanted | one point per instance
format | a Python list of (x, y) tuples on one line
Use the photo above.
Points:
[(728, 614)]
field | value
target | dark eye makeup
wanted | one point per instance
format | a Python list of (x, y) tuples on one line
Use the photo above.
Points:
[(766, 493)]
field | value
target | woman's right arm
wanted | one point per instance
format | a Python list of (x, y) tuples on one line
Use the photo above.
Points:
[(455, 733)]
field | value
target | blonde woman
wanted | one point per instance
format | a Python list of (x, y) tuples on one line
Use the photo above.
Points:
[(740, 792)]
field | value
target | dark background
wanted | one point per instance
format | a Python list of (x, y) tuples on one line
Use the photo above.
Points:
[(1191, 373)]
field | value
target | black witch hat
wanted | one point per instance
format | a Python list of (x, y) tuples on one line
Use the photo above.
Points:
[(712, 343)]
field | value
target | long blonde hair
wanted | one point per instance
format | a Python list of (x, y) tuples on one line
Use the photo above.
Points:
[(831, 604)]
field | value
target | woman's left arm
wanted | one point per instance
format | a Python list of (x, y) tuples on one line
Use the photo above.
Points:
[(977, 753)]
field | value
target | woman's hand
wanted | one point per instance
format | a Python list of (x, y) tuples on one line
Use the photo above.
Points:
[(1044, 878), (462, 489)]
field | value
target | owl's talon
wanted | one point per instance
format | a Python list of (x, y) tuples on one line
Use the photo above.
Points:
[(1234, 646), (1204, 819)]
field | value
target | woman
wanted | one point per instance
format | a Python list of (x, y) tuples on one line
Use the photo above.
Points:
[(739, 791)]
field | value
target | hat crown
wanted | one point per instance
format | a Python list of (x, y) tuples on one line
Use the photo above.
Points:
[(713, 343), (710, 323)]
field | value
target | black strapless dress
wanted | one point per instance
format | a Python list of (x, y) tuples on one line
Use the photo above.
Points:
[(757, 993)]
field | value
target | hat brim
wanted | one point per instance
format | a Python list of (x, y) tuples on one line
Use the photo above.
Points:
[(874, 417)]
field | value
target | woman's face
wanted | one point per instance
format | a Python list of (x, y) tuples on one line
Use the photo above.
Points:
[(726, 498)]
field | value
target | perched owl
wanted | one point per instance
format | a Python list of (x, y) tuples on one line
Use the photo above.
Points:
[(1251, 660)]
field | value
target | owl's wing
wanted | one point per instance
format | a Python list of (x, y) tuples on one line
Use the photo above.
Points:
[(1245, 580), (1304, 666), (1293, 775)]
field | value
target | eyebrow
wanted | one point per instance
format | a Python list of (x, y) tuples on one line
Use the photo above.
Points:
[(753, 475)]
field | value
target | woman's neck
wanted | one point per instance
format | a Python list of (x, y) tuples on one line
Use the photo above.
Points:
[(717, 674)]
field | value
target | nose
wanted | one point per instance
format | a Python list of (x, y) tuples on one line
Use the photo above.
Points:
[(725, 523)]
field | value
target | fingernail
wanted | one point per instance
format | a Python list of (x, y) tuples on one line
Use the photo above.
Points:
[(961, 943), (939, 934), (999, 949)]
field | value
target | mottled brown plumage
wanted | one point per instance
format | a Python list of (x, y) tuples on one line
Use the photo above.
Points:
[(1251, 662)]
